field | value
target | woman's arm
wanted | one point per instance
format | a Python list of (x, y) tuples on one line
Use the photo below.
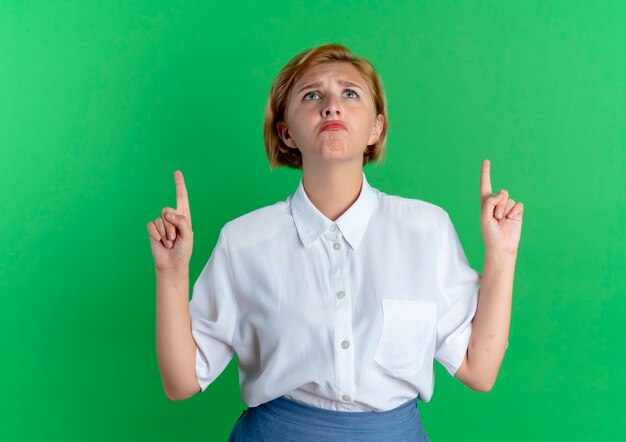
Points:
[(490, 327), (176, 348), (171, 242), (501, 226)]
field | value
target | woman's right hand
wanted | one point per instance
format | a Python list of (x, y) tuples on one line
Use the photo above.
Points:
[(171, 240)]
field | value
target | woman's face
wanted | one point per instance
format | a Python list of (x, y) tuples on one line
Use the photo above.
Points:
[(333, 91)]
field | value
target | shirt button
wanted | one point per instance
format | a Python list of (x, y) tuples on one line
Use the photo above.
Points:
[(341, 294), (345, 397), (345, 344), (333, 227), (336, 246)]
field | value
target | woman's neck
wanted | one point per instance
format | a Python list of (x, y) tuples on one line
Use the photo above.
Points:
[(333, 189)]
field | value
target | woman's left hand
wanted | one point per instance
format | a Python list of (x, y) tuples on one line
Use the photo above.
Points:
[(500, 217)]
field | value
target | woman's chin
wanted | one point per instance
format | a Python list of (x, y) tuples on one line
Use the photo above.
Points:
[(336, 147), (333, 156), (333, 150)]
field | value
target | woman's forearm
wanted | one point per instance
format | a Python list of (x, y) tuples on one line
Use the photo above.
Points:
[(175, 346), (490, 327)]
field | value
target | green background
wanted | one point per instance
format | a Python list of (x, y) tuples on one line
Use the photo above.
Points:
[(101, 101)]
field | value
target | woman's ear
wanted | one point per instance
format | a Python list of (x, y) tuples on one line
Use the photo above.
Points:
[(283, 133), (376, 130)]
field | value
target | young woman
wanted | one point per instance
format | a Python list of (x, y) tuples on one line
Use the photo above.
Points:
[(338, 299)]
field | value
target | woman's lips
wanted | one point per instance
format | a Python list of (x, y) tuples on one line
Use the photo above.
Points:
[(335, 125)]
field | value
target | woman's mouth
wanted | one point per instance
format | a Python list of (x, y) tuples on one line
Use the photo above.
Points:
[(333, 125)]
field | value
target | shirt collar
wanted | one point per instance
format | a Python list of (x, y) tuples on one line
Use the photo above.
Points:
[(311, 223)]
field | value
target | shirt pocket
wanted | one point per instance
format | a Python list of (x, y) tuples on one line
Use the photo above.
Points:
[(408, 328)]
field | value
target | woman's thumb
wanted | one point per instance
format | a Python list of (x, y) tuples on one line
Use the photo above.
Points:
[(181, 223)]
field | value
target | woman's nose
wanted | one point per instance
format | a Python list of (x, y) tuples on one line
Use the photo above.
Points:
[(331, 106)]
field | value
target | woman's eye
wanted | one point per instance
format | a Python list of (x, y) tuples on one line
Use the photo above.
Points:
[(309, 94), (312, 93)]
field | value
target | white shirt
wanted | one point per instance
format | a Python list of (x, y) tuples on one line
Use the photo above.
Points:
[(345, 315)]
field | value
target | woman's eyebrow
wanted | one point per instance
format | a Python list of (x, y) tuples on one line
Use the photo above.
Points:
[(319, 83)]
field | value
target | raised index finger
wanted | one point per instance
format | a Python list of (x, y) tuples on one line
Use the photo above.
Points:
[(182, 200), (485, 180)]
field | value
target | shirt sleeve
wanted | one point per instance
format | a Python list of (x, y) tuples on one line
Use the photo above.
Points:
[(458, 285), (213, 312)]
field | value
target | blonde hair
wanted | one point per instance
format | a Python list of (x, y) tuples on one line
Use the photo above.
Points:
[(279, 154)]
